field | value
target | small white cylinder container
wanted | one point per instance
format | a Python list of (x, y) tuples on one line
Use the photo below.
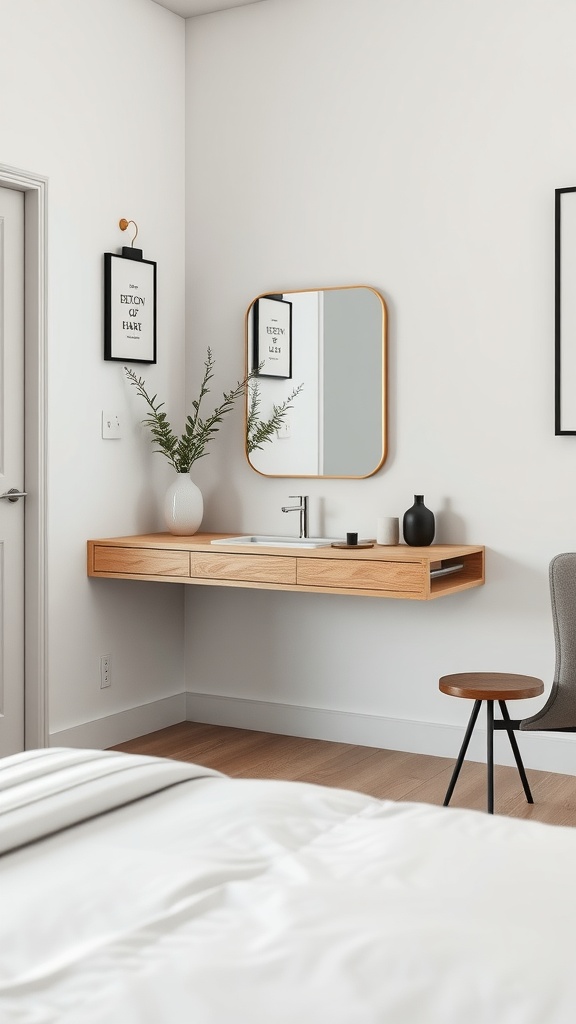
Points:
[(388, 530)]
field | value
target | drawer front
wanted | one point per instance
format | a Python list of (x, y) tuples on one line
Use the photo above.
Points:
[(352, 574), (249, 568), (141, 561)]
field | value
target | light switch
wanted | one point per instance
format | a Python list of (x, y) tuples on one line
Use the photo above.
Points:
[(110, 425)]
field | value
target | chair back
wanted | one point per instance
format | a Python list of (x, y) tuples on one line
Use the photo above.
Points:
[(559, 712)]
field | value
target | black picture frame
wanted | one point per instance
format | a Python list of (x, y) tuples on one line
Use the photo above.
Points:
[(129, 307), (273, 336), (565, 310)]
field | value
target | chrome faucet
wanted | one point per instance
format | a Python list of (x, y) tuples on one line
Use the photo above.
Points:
[(302, 508)]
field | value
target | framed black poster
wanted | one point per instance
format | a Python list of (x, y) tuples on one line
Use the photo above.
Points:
[(273, 337), (565, 312), (129, 308)]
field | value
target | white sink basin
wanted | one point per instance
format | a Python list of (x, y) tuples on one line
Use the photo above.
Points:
[(261, 540)]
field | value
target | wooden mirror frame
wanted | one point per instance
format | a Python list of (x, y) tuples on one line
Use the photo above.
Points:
[(286, 384)]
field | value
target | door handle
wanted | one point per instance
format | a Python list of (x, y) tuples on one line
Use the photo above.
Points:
[(13, 494)]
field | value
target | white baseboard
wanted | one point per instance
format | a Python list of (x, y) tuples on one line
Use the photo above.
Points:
[(550, 752), (123, 726)]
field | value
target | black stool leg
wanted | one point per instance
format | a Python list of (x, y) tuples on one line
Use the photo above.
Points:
[(463, 750), (490, 755), (515, 750)]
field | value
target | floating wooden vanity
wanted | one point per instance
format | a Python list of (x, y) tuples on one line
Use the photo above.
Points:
[(399, 572)]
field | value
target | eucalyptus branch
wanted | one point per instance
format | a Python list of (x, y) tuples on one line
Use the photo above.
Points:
[(204, 389), (183, 451)]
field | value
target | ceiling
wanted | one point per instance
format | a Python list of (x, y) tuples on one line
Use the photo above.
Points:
[(190, 8)]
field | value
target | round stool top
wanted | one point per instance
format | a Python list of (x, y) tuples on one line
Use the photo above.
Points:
[(491, 685)]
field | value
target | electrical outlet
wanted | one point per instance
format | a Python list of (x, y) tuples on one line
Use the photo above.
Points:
[(283, 432), (110, 425), (105, 671)]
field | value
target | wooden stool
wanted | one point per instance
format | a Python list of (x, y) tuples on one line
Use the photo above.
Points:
[(490, 686)]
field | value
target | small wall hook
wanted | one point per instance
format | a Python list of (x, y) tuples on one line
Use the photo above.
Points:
[(123, 224)]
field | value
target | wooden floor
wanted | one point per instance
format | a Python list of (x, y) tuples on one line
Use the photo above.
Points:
[(382, 773)]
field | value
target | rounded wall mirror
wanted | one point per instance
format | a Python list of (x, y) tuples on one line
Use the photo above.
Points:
[(316, 405)]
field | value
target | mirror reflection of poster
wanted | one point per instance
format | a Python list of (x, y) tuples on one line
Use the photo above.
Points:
[(273, 337), (129, 309)]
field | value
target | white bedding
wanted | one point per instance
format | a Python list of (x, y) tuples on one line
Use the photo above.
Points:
[(221, 901)]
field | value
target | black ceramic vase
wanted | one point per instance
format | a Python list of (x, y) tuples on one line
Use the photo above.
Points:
[(418, 524)]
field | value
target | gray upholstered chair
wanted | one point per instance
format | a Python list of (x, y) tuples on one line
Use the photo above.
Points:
[(559, 711)]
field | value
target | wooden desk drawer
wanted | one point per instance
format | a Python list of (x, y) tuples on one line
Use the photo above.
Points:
[(141, 561), (250, 568), (352, 574)]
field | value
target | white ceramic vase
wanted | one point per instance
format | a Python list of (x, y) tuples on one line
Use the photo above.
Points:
[(183, 506)]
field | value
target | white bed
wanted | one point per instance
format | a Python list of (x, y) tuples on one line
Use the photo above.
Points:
[(199, 899)]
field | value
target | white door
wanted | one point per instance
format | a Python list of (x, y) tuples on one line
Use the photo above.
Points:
[(11, 471)]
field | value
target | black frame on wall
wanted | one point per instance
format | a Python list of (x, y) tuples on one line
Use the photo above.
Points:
[(129, 307), (565, 310)]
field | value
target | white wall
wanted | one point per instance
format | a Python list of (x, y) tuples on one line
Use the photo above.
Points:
[(93, 98), (414, 146)]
